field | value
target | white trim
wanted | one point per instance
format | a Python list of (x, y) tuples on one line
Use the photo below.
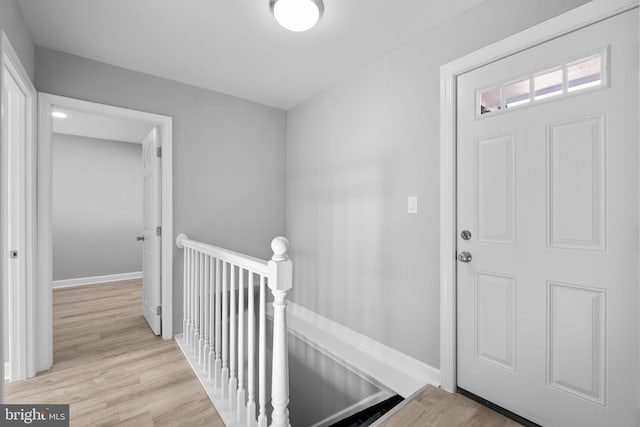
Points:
[(376, 362), (11, 63), (95, 280), (255, 265), (363, 404), (575, 19), (164, 124)]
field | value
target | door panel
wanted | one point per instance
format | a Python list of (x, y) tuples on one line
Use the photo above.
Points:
[(576, 347), (495, 188), (495, 307), (151, 264), (576, 176), (548, 323)]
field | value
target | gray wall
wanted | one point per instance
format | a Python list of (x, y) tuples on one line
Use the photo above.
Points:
[(13, 24), (354, 154), (97, 207), (228, 154)]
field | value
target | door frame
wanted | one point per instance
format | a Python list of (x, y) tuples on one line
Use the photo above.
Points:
[(24, 313), (575, 19), (46, 104)]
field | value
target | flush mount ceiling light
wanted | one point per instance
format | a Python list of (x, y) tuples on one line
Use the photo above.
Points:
[(297, 15), (59, 115)]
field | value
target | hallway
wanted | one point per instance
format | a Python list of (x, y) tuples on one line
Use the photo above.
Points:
[(110, 367)]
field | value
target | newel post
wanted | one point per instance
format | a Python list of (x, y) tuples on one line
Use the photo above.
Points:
[(280, 281)]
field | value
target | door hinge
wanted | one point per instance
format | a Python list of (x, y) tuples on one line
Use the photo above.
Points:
[(159, 310), (158, 231), (158, 151), (13, 254)]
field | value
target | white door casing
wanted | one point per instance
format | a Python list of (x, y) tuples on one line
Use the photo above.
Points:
[(13, 150), (18, 228), (151, 257), (43, 314), (548, 306)]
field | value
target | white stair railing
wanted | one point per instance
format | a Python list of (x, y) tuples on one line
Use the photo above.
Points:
[(214, 329)]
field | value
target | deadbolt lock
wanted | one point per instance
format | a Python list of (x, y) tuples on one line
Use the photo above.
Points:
[(465, 234)]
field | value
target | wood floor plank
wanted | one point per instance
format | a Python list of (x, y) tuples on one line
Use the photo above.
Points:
[(434, 407), (110, 367)]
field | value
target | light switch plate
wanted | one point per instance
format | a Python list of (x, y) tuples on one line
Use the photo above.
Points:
[(412, 204)]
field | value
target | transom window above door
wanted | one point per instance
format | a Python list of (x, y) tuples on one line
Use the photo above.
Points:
[(588, 72)]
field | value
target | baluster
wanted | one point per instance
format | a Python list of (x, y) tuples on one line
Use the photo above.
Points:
[(184, 293), (212, 313), (207, 313), (196, 305), (201, 308), (192, 268), (262, 372), (218, 361), (233, 381), (251, 403), (192, 328), (241, 397), (190, 332), (280, 281), (225, 331), (187, 300)]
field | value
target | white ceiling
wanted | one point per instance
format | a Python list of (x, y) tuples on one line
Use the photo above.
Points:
[(101, 126), (235, 46)]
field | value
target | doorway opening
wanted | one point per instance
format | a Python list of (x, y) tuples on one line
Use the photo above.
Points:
[(98, 205), (80, 145)]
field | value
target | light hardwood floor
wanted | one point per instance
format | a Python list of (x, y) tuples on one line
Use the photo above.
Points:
[(110, 367), (436, 407)]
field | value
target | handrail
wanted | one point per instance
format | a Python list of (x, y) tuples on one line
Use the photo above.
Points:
[(213, 339), (248, 262)]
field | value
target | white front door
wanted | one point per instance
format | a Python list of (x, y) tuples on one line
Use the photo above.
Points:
[(151, 264), (548, 299)]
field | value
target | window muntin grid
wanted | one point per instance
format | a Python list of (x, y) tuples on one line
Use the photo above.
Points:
[(569, 78)]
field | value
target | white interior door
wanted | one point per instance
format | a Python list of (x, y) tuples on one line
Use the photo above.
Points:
[(548, 300), (151, 265), (14, 129)]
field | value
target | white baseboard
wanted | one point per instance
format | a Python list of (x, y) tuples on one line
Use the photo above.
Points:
[(67, 283), (371, 359), (365, 403)]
